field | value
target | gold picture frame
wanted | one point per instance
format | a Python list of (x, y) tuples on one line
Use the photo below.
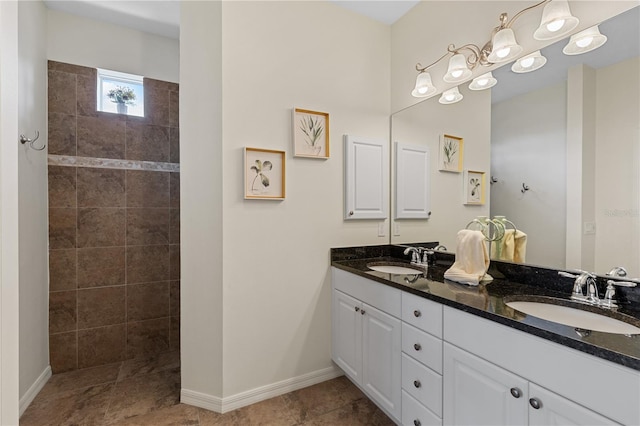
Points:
[(474, 187), (310, 133), (264, 174), (451, 154)]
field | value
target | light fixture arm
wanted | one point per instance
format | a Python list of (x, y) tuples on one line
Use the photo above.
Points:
[(517, 15)]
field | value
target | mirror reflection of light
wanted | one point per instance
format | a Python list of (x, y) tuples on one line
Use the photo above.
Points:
[(483, 82), (502, 53), (584, 42), (554, 26), (526, 63), (456, 74)]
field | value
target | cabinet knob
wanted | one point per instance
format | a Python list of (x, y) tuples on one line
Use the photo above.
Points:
[(535, 403), (416, 422), (417, 313), (417, 346), (351, 213), (362, 311), (417, 383), (517, 393), (357, 309)]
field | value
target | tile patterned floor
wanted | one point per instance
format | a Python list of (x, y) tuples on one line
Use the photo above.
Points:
[(147, 392)]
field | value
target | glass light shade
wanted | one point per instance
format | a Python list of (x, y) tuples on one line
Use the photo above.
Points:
[(424, 86), (485, 81), (458, 70), (556, 21), (505, 47), (450, 96), (585, 41), (529, 63)]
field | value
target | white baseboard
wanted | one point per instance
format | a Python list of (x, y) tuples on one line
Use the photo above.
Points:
[(35, 388), (224, 405)]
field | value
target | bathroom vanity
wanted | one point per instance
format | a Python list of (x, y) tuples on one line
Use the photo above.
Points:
[(430, 352)]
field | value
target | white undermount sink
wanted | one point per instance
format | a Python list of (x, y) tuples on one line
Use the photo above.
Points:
[(394, 268), (574, 317)]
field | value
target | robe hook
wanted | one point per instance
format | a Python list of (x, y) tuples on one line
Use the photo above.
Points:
[(24, 139), (525, 188)]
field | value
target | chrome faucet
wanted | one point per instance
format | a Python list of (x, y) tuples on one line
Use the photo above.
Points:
[(584, 279), (609, 300), (617, 271), (415, 254), (419, 255)]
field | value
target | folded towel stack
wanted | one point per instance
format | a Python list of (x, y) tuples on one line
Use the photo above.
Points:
[(512, 247), (472, 259)]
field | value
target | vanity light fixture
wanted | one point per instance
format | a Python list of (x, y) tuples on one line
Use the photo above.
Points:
[(485, 81), (450, 96), (585, 41), (502, 47), (529, 63)]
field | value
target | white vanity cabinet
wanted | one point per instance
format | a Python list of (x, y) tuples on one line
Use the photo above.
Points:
[(366, 337)]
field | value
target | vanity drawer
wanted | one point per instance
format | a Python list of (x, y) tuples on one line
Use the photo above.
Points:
[(416, 414), (422, 383), (422, 346), (422, 313)]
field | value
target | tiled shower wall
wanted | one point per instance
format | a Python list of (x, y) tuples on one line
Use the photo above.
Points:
[(114, 223)]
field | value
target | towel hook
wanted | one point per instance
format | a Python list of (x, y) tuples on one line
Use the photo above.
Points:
[(525, 188), (24, 140), (493, 180)]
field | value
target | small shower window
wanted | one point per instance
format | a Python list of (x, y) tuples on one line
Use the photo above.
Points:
[(120, 93)]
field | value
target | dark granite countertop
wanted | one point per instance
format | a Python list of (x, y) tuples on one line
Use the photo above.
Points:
[(488, 300)]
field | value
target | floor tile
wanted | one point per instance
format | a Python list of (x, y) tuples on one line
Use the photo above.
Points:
[(155, 364), (361, 412), (79, 379), (272, 412), (176, 415)]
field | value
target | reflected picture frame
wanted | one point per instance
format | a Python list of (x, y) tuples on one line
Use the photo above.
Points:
[(310, 131), (474, 188), (450, 154), (264, 174)]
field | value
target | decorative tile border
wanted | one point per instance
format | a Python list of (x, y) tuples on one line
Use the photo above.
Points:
[(110, 163)]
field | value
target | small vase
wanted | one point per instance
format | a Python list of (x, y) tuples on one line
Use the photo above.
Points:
[(122, 108)]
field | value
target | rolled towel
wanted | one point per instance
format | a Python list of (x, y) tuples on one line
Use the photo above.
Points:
[(472, 259), (520, 247)]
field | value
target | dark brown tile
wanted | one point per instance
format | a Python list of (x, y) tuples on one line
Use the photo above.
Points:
[(143, 394), (101, 137), (62, 92), (63, 352), (62, 228), (62, 186), (147, 142), (156, 104), (79, 379), (359, 413), (78, 407), (99, 267), (70, 68), (87, 95), (62, 134), (174, 109), (104, 227), (174, 262), (100, 346), (148, 365), (62, 311), (148, 226), (176, 415), (174, 145), (147, 301), (174, 226), (101, 187), (274, 412), (147, 189), (98, 307), (151, 84), (174, 297), (175, 190), (147, 264), (62, 270), (174, 337), (148, 337)]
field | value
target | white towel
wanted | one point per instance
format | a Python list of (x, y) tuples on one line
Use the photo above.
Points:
[(472, 259), (512, 247)]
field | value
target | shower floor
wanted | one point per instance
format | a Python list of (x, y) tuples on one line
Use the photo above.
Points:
[(147, 392)]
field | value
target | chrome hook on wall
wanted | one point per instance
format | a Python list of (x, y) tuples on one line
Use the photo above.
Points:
[(525, 188), (23, 140), (493, 180)]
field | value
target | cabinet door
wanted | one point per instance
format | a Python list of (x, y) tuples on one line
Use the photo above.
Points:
[(366, 178), (477, 392), (381, 359), (347, 334), (556, 410)]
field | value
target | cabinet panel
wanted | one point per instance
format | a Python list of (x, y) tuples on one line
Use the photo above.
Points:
[(416, 414), (412, 181), (347, 334), (479, 393), (423, 347), (381, 296), (381, 358), (366, 178), (422, 313), (422, 383)]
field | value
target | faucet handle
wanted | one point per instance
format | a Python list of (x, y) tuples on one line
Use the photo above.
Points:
[(567, 274), (622, 283)]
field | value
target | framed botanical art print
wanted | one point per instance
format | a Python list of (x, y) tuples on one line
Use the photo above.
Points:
[(474, 187), (310, 133), (450, 154), (264, 174)]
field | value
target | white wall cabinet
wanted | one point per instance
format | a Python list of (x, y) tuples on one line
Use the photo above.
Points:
[(366, 178)]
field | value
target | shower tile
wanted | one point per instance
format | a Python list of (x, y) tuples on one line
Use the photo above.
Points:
[(174, 339), (62, 186), (87, 94), (101, 137), (174, 226), (156, 102), (62, 270), (99, 267), (103, 345), (63, 352), (174, 109), (102, 306), (147, 142), (62, 92), (148, 226), (147, 189), (147, 301), (101, 227), (62, 228), (101, 187), (62, 134), (147, 264), (70, 68), (148, 337), (175, 190), (62, 311), (174, 292), (174, 260), (174, 145)]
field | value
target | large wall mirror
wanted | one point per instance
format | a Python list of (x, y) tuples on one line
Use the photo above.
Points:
[(560, 148)]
